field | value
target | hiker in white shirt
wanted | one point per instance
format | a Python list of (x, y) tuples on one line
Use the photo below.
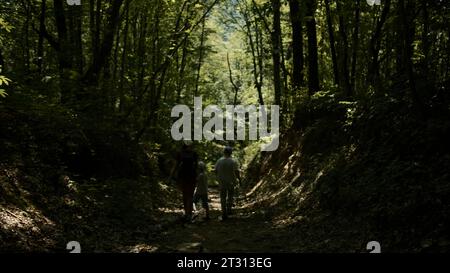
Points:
[(227, 171)]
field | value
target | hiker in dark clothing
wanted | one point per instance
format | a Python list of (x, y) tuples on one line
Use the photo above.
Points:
[(186, 176)]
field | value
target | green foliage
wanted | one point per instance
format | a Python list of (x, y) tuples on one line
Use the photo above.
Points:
[(366, 169), (92, 104), (323, 104), (4, 80), (4, 25)]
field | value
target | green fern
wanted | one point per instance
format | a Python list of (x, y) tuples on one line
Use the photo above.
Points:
[(4, 80)]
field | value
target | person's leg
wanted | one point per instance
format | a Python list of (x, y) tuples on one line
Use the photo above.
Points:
[(205, 205), (230, 200), (185, 199), (189, 199), (223, 202), (195, 201)]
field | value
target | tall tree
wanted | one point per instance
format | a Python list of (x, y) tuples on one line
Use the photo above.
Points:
[(254, 49), (276, 50), (200, 56), (100, 59), (40, 49), (344, 47), (355, 45), (373, 74), (313, 62), (332, 42), (297, 42), (75, 15), (235, 86), (405, 50)]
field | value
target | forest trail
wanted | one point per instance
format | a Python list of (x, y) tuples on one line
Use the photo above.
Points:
[(243, 232), (94, 98)]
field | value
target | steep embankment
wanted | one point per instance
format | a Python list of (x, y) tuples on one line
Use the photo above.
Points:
[(347, 174), (65, 180)]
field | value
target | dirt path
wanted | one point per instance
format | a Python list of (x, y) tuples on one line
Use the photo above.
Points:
[(242, 232)]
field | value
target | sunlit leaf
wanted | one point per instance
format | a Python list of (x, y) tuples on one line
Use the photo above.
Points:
[(5, 25), (4, 80)]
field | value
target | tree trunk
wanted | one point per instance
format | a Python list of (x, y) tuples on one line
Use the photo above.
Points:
[(181, 82), (100, 59), (64, 52), (344, 64), (297, 43), (374, 48), (276, 50), (406, 64), (98, 23), (332, 42), (61, 28), (124, 55), (425, 39), (26, 48), (355, 46), (142, 50), (76, 37), (116, 55), (200, 58), (40, 49), (254, 57), (259, 46), (313, 66), (92, 25), (235, 87)]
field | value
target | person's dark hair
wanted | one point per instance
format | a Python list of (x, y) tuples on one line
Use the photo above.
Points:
[(187, 144), (228, 151)]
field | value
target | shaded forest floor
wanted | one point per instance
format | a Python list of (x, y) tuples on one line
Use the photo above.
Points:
[(245, 231), (249, 230), (105, 226), (101, 216)]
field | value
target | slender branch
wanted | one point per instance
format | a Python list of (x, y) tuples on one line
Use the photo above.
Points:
[(236, 88)]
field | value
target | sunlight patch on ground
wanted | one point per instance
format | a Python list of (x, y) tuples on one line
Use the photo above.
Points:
[(16, 218), (296, 177), (170, 210), (189, 247), (28, 229), (283, 221), (267, 197), (141, 248), (253, 190)]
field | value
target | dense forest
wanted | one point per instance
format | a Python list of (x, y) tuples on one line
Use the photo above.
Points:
[(87, 89)]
